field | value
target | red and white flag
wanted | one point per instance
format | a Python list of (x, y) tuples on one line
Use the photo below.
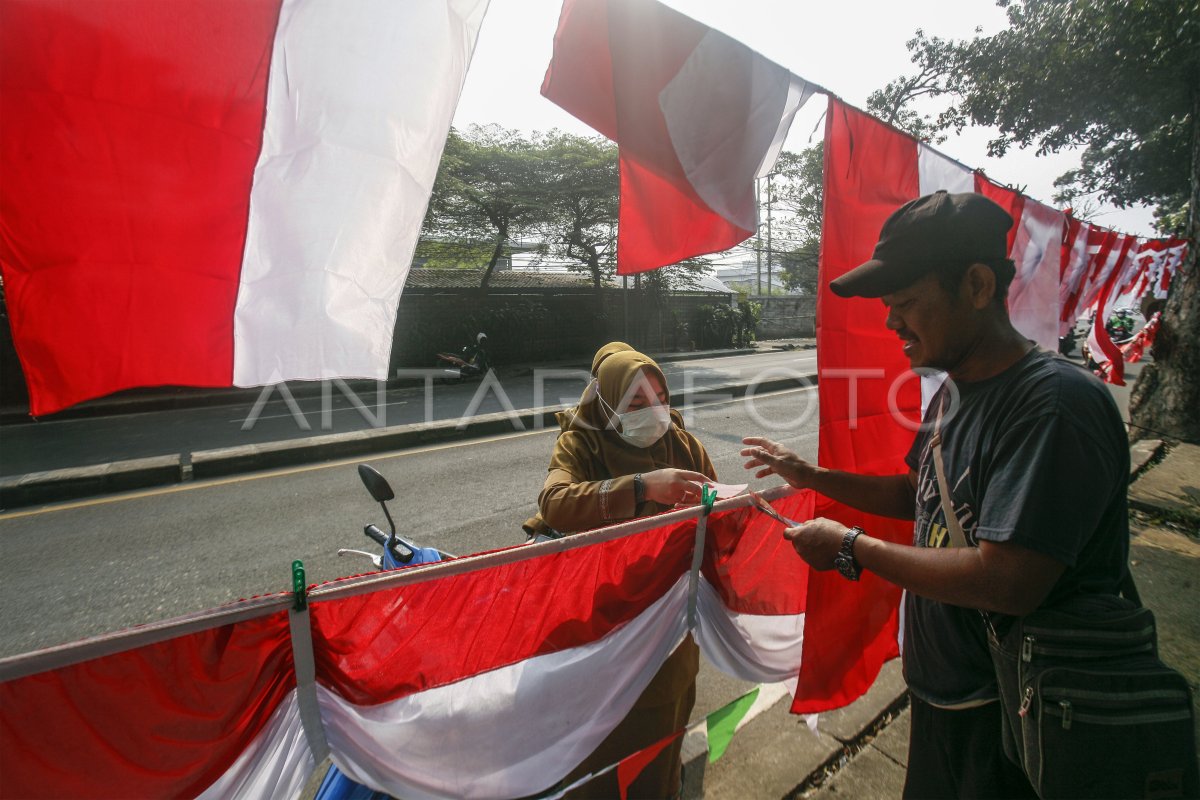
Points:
[(696, 115), (212, 194), (487, 677), (870, 402)]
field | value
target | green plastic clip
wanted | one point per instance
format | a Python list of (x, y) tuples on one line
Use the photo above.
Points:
[(708, 496), (299, 585)]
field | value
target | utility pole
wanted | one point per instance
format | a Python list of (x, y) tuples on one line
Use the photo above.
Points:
[(758, 239), (770, 197)]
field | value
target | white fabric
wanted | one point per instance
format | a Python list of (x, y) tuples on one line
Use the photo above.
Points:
[(276, 764), (1037, 253), (1072, 276), (930, 383), (509, 732), (359, 101), (753, 647), (935, 171), (728, 111)]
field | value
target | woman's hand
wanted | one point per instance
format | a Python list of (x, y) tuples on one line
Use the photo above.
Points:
[(672, 486), (775, 458)]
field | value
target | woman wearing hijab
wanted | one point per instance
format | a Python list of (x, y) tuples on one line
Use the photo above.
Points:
[(623, 453)]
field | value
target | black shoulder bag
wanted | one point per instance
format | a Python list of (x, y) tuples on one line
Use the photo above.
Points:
[(1089, 710)]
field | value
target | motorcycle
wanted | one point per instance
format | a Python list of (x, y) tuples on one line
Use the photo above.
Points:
[(1122, 325), (473, 362), (397, 552)]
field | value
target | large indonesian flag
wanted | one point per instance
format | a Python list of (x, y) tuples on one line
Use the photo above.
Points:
[(697, 116), (869, 401), (487, 677), (209, 193)]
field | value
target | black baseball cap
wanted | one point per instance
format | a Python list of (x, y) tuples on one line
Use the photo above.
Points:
[(932, 233)]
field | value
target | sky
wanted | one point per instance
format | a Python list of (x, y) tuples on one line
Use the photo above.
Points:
[(851, 47)]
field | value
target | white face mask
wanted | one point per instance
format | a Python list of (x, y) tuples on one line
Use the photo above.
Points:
[(645, 426)]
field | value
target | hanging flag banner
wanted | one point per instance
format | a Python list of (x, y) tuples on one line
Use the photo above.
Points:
[(413, 672), (696, 115), (211, 194)]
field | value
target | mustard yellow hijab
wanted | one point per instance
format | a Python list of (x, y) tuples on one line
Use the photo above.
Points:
[(590, 444)]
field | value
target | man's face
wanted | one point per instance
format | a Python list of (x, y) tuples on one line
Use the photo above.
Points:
[(934, 325)]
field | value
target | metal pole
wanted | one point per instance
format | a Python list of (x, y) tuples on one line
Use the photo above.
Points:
[(770, 197), (758, 240), (625, 300)]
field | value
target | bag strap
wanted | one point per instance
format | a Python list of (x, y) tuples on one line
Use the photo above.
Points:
[(957, 537)]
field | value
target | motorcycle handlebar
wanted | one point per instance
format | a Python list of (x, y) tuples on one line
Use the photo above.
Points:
[(400, 551)]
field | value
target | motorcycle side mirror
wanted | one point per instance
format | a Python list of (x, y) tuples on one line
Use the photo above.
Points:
[(376, 484)]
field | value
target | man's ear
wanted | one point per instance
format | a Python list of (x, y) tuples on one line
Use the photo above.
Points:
[(980, 283)]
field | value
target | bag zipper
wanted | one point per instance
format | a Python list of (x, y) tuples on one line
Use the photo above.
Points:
[(1070, 714)]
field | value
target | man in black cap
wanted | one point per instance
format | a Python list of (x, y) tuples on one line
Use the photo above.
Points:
[(1027, 451)]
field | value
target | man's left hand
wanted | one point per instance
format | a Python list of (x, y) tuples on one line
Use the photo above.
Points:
[(817, 541)]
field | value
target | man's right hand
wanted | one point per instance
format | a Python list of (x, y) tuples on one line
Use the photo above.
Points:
[(772, 457)]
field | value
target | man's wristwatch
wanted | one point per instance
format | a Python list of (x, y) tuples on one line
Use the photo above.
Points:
[(639, 490), (844, 560)]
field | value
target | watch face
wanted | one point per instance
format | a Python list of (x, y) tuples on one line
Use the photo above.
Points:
[(845, 566)]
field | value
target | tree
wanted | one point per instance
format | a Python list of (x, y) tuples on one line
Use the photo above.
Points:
[(801, 198), (1121, 80), (792, 200), (580, 186), (487, 192)]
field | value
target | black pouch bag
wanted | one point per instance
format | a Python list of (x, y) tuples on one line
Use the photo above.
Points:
[(1088, 708)]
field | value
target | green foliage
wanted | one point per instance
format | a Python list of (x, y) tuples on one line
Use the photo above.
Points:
[(488, 191), (749, 313), (793, 201), (580, 185), (1118, 78), (715, 327)]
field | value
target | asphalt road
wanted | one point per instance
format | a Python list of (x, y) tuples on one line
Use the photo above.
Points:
[(34, 446), (84, 568)]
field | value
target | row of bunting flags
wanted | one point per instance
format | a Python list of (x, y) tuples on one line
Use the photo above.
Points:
[(198, 197), (201, 195), (488, 676)]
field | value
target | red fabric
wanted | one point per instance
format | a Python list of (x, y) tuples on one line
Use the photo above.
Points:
[(165, 720), (752, 567), (1115, 371), (632, 766), (1011, 201), (612, 58), (1074, 273), (131, 132), (470, 623), (850, 629)]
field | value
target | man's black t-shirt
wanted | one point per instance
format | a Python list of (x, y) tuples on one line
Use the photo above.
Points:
[(1036, 456)]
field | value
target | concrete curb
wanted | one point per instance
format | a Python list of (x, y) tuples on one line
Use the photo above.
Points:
[(79, 482), (57, 485)]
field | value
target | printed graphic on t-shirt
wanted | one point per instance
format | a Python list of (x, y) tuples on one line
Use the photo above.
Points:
[(930, 529)]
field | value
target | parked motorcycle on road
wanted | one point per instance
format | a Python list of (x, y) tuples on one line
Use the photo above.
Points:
[(473, 363)]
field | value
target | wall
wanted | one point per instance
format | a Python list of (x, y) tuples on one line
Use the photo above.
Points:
[(539, 325), (787, 316)]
